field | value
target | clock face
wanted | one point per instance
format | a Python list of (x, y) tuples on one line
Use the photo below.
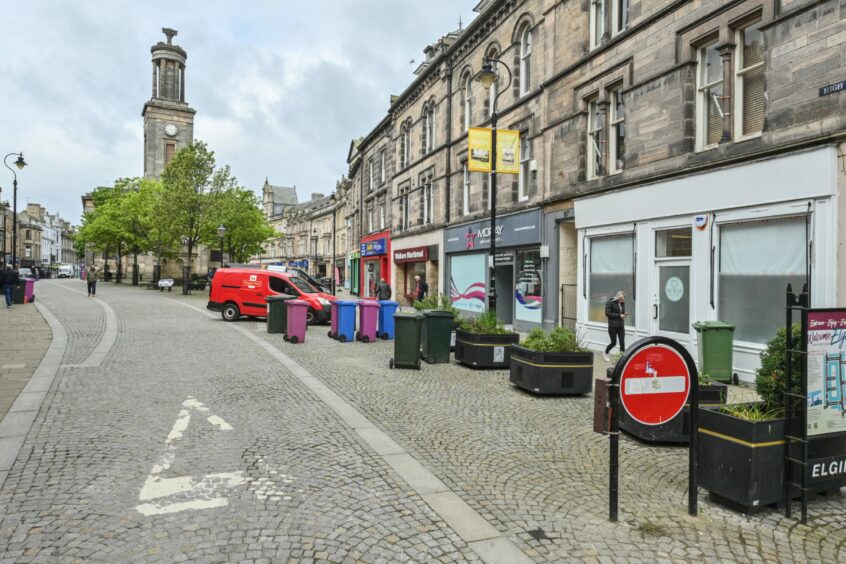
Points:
[(171, 130)]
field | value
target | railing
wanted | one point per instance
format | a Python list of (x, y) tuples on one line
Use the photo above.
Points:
[(568, 306)]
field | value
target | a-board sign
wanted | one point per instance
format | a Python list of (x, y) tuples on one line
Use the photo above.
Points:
[(655, 384)]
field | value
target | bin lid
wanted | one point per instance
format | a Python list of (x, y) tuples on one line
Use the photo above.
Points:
[(368, 303), (408, 315), (346, 303), (297, 303), (387, 302), (279, 298), (437, 313), (699, 325)]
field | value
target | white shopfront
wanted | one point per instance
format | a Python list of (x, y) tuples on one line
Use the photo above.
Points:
[(718, 245)]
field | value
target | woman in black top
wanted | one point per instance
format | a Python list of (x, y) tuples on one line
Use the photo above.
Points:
[(615, 311)]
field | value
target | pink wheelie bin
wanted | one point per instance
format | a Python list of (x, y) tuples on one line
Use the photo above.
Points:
[(368, 320), (296, 324)]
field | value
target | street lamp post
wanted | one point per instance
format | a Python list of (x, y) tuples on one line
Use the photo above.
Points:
[(20, 163), (488, 77), (221, 232)]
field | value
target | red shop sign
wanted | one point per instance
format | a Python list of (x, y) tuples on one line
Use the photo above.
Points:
[(414, 254)]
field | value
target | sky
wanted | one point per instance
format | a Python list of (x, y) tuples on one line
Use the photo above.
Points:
[(280, 87)]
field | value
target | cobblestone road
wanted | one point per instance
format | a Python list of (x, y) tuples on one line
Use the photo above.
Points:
[(119, 450)]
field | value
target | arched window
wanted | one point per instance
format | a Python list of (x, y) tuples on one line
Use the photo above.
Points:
[(525, 60), (405, 144), (468, 101), (429, 127)]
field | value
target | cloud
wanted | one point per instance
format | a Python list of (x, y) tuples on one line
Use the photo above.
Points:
[(280, 89)]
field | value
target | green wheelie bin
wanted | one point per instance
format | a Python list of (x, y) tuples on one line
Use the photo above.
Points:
[(435, 342), (407, 340), (18, 293), (716, 348), (277, 313)]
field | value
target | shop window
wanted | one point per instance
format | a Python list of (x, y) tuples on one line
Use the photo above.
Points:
[(413, 269), (757, 262), (617, 134), (467, 282), (750, 97), (525, 160), (671, 243), (611, 270), (709, 100), (529, 292), (594, 140)]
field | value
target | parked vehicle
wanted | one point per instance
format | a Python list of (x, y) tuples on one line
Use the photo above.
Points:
[(25, 273), (65, 271), (319, 284), (243, 291)]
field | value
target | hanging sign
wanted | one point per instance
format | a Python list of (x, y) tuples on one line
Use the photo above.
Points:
[(479, 148), (507, 151)]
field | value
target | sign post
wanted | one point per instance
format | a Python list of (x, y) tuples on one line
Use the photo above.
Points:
[(653, 382)]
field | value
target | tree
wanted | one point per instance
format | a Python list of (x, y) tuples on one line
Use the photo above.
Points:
[(102, 228), (162, 237), (192, 188), (239, 211)]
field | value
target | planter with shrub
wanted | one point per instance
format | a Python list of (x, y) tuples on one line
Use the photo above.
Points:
[(484, 342), (552, 363)]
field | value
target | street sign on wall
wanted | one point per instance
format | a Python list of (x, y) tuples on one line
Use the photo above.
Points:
[(655, 384)]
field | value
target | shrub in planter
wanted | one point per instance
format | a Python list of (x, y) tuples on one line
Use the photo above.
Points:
[(484, 342), (551, 363)]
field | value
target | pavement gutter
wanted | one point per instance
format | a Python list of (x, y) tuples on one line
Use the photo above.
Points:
[(17, 423), (482, 537)]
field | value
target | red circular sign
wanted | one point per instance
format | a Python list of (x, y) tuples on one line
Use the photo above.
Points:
[(654, 384)]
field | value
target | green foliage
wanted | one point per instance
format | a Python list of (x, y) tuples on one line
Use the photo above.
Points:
[(704, 378), (752, 411), (239, 211), (486, 324), (439, 302), (771, 378), (559, 339)]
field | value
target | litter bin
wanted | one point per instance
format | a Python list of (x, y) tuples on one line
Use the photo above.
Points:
[(716, 348), (368, 318), (387, 309), (296, 322), (407, 341), (436, 336), (345, 330), (277, 318)]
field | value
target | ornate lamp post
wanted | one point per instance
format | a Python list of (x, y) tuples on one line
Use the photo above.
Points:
[(221, 233), (20, 163), (488, 77)]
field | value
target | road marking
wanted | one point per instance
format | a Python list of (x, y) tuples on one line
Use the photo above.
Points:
[(183, 493), (482, 537), (107, 341)]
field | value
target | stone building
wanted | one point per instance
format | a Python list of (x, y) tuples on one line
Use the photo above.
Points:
[(686, 153)]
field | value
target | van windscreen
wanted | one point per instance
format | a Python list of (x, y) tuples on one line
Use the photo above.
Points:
[(302, 285)]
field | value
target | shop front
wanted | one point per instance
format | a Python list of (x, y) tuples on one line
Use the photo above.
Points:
[(518, 268), (714, 246), (418, 255), (353, 267), (375, 262)]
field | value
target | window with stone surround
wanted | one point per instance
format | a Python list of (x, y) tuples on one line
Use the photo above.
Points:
[(709, 99), (170, 150), (370, 179), (594, 140), (428, 133), (526, 60), (468, 101), (617, 132), (524, 177), (465, 190), (750, 97), (405, 144), (382, 158), (381, 216), (597, 22)]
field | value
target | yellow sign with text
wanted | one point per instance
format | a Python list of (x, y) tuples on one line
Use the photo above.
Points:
[(479, 149), (507, 151)]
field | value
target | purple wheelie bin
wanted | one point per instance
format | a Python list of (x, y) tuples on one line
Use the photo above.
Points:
[(29, 290), (296, 329), (333, 313), (368, 320)]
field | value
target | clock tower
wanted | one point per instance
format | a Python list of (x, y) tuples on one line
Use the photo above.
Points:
[(168, 119)]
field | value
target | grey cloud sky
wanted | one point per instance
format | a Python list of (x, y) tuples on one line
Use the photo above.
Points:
[(280, 87)]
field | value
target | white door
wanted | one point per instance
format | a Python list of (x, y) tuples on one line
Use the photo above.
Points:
[(671, 300)]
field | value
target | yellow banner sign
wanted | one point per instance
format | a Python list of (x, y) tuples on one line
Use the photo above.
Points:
[(507, 151), (479, 149)]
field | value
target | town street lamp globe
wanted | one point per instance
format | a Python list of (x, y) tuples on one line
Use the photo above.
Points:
[(221, 233), (486, 76), (19, 163)]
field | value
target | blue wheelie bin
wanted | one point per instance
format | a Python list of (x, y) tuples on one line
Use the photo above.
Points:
[(345, 330), (387, 309)]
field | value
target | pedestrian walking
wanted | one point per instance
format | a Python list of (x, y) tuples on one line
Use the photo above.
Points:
[(10, 280), (383, 291), (421, 288), (91, 277), (615, 311)]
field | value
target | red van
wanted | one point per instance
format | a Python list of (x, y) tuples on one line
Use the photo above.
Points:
[(242, 291)]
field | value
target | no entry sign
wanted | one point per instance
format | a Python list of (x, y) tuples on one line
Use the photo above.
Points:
[(655, 384)]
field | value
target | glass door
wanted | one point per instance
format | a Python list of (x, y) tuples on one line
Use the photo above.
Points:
[(671, 308)]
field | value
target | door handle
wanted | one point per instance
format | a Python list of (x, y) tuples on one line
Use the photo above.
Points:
[(654, 311)]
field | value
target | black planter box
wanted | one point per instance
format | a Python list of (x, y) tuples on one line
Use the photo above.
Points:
[(551, 372), (741, 463), (480, 350), (677, 429)]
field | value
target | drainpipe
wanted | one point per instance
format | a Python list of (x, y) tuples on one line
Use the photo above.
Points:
[(448, 188)]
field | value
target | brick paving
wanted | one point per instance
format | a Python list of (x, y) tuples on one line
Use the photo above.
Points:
[(24, 338), (532, 467)]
